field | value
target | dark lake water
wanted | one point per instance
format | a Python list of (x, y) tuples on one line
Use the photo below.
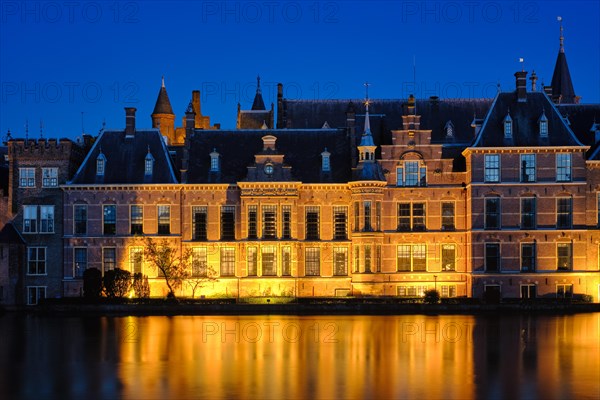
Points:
[(290, 357)]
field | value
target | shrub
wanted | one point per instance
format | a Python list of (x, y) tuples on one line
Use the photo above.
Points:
[(117, 283), (141, 287), (92, 283), (432, 296)]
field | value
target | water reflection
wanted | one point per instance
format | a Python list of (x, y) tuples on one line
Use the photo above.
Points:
[(301, 357)]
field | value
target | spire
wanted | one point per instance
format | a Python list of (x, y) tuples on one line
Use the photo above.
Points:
[(367, 121), (163, 104), (562, 85), (367, 138), (258, 103)]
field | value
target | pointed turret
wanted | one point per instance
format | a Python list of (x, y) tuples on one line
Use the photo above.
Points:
[(163, 117), (367, 168), (258, 103), (562, 85)]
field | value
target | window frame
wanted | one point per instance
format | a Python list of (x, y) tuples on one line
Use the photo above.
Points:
[(312, 261), (487, 260), (227, 218), (568, 257), (526, 170), (340, 222), (227, 261), (489, 215), (199, 232), (564, 167), (340, 270), (199, 262), (163, 228), (491, 168), (112, 231), (564, 216), (27, 177), (312, 225), (136, 220), (41, 267), (532, 258), (79, 270), (51, 180), (532, 214), (77, 220), (30, 225), (105, 259), (410, 256), (443, 248)]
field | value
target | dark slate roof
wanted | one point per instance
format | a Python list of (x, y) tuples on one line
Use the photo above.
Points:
[(525, 116), (9, 234), (386, 115), (163, 105), (561, 80), (254, 119), (125, 159), (302, 149), (581, 118)]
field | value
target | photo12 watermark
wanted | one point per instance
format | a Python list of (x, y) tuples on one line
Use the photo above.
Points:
[(70, 12), (270, 332), (68, 92), (270, 12), (469, 12)]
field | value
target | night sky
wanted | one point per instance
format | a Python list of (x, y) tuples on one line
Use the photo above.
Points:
[(61, 58)]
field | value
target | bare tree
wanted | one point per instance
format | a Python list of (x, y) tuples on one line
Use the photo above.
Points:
[(172, 265), (196, 282)]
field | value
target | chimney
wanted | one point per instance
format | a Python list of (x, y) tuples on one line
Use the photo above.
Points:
[(130, 121), (190, 118), (548, 90), (533, 79), (196, 102), (521, 86)]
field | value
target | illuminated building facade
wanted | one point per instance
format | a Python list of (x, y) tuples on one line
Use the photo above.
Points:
[(473, 197)]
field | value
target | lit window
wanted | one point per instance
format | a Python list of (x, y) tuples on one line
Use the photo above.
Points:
[(26, 177), (367, 216), (412, 257), (286, 229), (563, 167), (109, 258), (109, 219), (227, 261), (164, 220), (100, 164), (448, 257), (36, 261), (49, 177), (492, 213), (447, 216), (411, 174), (564, 291), (492, 257), (136, 259), (269, 261), (269, 226), (508, 126), (148, 164), (137, 220), (340, 214), (564, 215), (214, 161), (543, 122), (29, 219), (340, 261), (286, 261), (528, 257), (528, 167), (529, 291), (199, 262), (79, 261), (564, 256), (528, 213), (312, 262), (492, 168), (46, 219), (411, 216), (252, 260), (325, 163), (367, 254)]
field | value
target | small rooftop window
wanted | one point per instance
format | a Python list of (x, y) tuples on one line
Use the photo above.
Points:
[(100, 164), (148, 163), (214, 161), (543, 123), (325, 162), (508, 131)]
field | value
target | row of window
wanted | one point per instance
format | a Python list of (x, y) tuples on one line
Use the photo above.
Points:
[(529, 290), (564, 213), (27, 177), (528, 258), (527, 168), (109, 219)]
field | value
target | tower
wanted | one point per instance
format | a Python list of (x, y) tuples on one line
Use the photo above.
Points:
[(163, 117), (562, 85)]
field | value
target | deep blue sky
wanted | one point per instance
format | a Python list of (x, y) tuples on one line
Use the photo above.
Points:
[(61, 58)]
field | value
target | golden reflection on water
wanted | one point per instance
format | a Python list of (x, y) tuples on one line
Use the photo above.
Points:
[(284, 357)]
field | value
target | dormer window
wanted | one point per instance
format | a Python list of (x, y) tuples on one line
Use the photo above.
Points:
[(449, 129), (214, 161), (508, 126), (100, 164), (148, 163), (325, 162), (543, 123), (269, 169)]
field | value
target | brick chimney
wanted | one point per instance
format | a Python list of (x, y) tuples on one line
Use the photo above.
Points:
[(130, 121), (521, 86)]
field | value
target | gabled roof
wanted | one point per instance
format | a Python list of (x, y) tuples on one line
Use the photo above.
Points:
[(9, 234), (581, 117), (254, 119), (302, 149), (125, 159), (525, 127)]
